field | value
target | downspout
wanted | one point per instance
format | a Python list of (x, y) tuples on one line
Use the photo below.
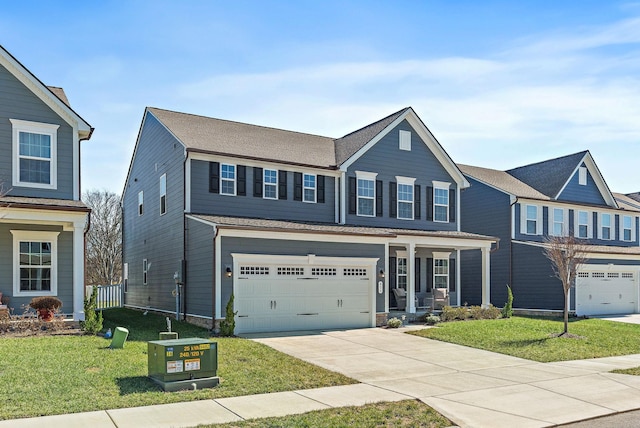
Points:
[(213, 278), (512, 225)]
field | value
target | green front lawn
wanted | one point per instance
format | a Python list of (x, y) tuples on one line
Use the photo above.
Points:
[(47, 375), (407, 413), (530, 338)]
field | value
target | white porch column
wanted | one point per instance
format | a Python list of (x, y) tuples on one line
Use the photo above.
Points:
[(486, 277), (78, 270), (411, 278), (458, 282)]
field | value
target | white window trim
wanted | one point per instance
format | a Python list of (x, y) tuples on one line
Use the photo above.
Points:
[(632, 228), (409, 181), (315, 188), (405, 275), (612, 227), (235, 179), (265, 184), (35, 236), (36, 128), (368, 176), (404, 140), (435, 275), (576, 223), (140, 203), (145, 271), (582, 175), (565, 221), (523, 219), (163, 194), (442, 186)]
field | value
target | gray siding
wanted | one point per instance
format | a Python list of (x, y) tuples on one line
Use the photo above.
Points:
[(486, 211), (65, 265), (386, 159), (200, 264), (204, 202), (587, 194), (18, 102), (534, 283), (296, 248), (157, 238)]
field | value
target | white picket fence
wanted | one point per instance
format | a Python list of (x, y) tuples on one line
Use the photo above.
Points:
[(109, 296)]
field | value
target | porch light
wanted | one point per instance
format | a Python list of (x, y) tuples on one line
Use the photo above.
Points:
[(381, 273), (228, 272)]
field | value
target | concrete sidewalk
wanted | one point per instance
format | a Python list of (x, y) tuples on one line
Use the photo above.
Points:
[(471, 387)]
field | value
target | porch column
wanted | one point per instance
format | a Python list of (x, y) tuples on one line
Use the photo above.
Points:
[(411, 278), (78, 271), (486, 277)]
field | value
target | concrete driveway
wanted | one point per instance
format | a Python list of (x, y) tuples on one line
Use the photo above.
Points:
[(628, 318), (473, 388)]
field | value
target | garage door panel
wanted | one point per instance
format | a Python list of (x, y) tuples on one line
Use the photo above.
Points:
[(603, 293)]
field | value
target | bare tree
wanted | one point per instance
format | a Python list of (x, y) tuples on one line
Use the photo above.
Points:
[(566, 254), (104, 239)]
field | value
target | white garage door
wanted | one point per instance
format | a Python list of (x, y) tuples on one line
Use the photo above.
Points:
[(606, 291), (290, 295)]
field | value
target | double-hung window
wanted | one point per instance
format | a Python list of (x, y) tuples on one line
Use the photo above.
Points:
[(270, 184), (34, 154), (605, 229), (227, 179), (309, 188), (366, 194), (531, 220), (163, 194), (627, 229), (405, 198), (441, 273), (583, 225), (558, 225), (401, 272), (440, 203), (35, 263)]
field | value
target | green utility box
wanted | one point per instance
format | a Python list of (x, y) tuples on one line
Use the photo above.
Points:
[(189, 363), (119, 337)]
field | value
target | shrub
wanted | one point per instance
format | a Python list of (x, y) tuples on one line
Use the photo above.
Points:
[(45, 302), (394, 323), (92, 321), (491, 313), (451, 314), (228, 324), (507, 310), (476, 312), (431, 319)]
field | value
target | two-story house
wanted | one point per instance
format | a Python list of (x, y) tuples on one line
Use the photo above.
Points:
[(305, 231), (558, 197), (42, 220)]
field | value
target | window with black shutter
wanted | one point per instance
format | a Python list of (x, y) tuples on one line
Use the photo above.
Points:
[(417, 273), (297, 186), (257, 182), (379, 198), (282, 185), (392, 281), (320, 195), (452, 275), (429, 203), (393, 199), (452, 206), (242, 180), (352, 195), (416, 201), (214, 177), (429, 275)]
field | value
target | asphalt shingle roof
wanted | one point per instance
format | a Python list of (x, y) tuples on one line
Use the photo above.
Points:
[(24, 202), (502, 180), (627, 203), (548, 177), (59, 92)]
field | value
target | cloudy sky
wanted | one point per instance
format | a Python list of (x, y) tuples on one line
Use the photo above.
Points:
[(499, 83)]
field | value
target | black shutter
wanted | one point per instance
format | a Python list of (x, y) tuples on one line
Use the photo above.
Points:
[(429, 203), (392, 281), (416, 202), (257, 182), (282, 184), (429, 274), (452, 206), (297, 186), (320, 180), (352, 195), (242, 180), (393, 199), (417, 274), (452, 275), (214, 177), (379, 198)]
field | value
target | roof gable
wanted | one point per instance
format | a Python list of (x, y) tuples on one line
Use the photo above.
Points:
[(51, 96)]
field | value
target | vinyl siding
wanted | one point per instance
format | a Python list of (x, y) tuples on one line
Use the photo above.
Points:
[(534, 283), (157, 238), (65, 266), (296, 248), (388, 161), (18, 102), (587, 194), (200, 265), (204, 202)]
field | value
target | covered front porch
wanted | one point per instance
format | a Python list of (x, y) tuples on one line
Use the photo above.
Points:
[(424, 271)]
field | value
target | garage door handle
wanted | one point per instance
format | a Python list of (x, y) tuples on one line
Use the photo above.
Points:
[(311, 313), (307, 278), (243, 316)]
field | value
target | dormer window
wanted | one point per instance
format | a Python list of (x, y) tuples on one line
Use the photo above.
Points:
[(582, 176), (405, 140), (34, 154)]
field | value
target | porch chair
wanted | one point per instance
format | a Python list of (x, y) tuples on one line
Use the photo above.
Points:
[(401, 298), (440, 298)]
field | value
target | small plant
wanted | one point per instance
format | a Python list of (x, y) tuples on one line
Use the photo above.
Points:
[(50, 303), (491, 313), (228, 324), (507, 310), (92, 319), (431, 319), (451, 314), (394, 323)]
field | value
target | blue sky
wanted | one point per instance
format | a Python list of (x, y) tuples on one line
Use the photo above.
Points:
[(499, 83)]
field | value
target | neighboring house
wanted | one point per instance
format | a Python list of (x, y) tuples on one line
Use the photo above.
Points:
[(305, 231), (42, 220), (558, 197)]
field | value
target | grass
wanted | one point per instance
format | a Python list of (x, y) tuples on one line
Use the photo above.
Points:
[(47, 375), (408, 413), (633, 371), (531, 338)]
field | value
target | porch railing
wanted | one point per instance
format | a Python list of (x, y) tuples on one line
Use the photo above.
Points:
[(109, 296)]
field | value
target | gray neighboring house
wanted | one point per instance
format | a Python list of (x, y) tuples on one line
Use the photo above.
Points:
[(305, 231), (42, 220), (557, 197)]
